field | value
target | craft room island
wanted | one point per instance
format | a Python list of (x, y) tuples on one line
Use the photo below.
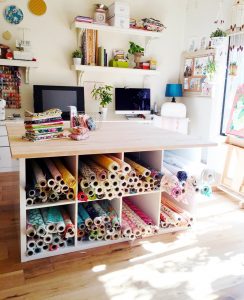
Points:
[(118, 139)]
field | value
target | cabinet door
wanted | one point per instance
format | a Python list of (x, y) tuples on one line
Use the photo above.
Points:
[(3, 131)]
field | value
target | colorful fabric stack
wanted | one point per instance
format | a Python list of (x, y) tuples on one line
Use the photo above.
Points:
[(98, 221), (48, 229), (135, 223), (44, 126), (48, 180), (172, 215), (108, 177)]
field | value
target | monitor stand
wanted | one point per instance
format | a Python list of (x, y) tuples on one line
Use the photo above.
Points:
[(135, 117)]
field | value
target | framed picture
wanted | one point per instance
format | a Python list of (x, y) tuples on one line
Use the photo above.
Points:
[(194, 77)]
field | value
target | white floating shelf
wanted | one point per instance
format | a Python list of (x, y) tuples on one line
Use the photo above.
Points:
[(80, 69), (112, 29), (20, 63)]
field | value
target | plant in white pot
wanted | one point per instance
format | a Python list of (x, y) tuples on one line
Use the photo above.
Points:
[(77, 56), (104, 95), (137, 51), (218, 37)]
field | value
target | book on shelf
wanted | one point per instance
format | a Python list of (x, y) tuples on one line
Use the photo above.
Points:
[(89, 47), (83, 19)]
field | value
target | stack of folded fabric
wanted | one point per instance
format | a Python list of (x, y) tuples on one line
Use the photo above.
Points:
[(43, 126)]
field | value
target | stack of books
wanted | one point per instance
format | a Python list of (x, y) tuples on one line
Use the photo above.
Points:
[(83, 19), (102, 57)]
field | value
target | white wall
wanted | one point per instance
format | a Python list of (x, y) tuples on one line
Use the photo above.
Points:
[(53, 42)]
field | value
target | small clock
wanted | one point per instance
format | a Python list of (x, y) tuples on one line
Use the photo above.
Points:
[(100, 16)]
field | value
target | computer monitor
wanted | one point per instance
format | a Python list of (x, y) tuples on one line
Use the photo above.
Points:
[(130, 101), (47, 97)]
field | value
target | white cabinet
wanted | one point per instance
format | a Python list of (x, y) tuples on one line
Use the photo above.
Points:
[(179, 125), (7, 164)]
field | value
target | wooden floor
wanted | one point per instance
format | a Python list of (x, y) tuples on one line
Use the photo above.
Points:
[(205, 263)]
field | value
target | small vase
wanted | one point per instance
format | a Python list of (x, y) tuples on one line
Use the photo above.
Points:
[(137, 59), (77, 61), (104, 111)]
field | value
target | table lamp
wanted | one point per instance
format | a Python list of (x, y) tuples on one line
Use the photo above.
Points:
[(173, 90), (173, 109)]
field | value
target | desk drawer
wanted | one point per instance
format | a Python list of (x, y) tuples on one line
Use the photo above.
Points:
[(4, 141), (3, 131)]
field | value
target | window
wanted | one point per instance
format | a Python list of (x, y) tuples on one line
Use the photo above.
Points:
[(234, 78)]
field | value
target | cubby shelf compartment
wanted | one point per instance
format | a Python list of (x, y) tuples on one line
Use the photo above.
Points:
[(81, 69), (27, 65)]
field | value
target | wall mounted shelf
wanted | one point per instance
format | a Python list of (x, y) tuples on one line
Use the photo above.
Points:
[(81, 69), (27, 65)]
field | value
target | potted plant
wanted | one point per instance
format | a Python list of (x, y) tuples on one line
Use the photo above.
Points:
[(137, 51), (210, 69), (218, 37), (233, 69), (104, 95), (77, 56)]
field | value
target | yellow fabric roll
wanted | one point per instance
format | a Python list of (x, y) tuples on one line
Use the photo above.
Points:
[(68, 178), (125, 168), (139, 169), (106, 162)]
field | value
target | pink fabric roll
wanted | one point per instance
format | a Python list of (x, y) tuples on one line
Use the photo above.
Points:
[(139, 212)]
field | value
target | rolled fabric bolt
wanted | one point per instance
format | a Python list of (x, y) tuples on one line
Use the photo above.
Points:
[(111, 231), (82, 197), (140, 190), (69, 227), (106, 183), (136, 179), (56, 188), (94, 184), (178, 172), (121, 176), (132, 173), (173, 215), (39, 176), (101, 196), (29, 252), (111, 176), (106, 162), (101, 212), (126, 229), (64, 188), (81, 233), (123, 183), (185, 214), (97, 221), (37, 250), (30, 230), (31, 244), (130, 180), (99, 237), (89, 192), (29, 202), (45, 247), (86, 172), (149, 180), (43, 195), (61, 182), (53, 196), (55, 217), (115, 183), (40, 243), (102, 226), (30, 192), (70, 196), (116, 189), (53, 169), (84, 184), (68, 178), (119, 194), (108, 225), (47, 189), (107, 237), (126, 191), (102, 231), (109, 195), (115, 236), (99, 190), (56, 239), (62, 244), (132, 225), (138, 168), (35, 219), (70, 242), (132, 237), (50, 180), (124, 167), (101, 173), (166, 221), (41, 231), (50, 226), (92, 237), (63, 197), (111, 212), (53, 247)]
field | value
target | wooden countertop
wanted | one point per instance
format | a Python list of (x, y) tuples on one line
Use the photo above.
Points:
[(111, 137)]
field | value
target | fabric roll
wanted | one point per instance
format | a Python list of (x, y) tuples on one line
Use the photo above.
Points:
[(90, 192), (106, 162), (101, 173), (206, 190), (30, 230), (81, 223), (101, 212), (50, 180), (53, 169), (39, 176), (84, 184), (86, 172), (49, 225), (69, 227), (132, 225), (68, 178), (31, 243), (138, 168), (82, 197), (178, 172), (29, 201), (126, 229), (135, 218), (34, 218), (106, 205), (124, 167), (173, 215), (139, 212), (84, 215)]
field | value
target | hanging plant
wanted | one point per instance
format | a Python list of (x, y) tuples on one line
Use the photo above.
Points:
[(210, 69)]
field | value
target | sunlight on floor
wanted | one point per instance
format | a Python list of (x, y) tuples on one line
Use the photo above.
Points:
[(99, 268)]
